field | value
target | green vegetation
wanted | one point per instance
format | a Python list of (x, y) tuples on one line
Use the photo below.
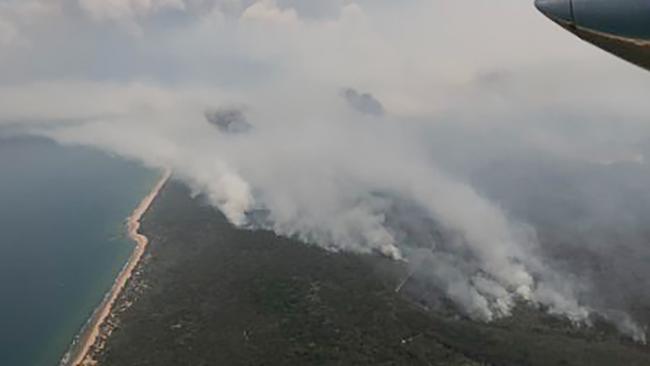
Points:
[(210, 294)]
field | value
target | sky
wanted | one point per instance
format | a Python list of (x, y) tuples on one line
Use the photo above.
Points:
[(474, 139)]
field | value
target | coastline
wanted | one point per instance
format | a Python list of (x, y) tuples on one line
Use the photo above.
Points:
[(80, 352), (172, 310)]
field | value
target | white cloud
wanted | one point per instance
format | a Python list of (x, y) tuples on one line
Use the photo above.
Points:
[(127, 9), (8, 33), (268, 11), (18, 17)]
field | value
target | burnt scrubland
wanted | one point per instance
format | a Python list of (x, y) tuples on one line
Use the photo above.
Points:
[(207, 293)]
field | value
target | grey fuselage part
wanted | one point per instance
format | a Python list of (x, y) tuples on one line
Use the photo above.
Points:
[(621, 27)]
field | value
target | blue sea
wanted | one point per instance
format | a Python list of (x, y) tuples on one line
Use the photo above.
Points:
[(62, 241)]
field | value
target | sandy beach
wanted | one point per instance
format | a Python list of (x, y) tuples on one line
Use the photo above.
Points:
[(82, 355)]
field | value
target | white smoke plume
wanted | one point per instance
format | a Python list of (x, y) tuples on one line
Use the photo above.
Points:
[(427, 183), (331, 179)]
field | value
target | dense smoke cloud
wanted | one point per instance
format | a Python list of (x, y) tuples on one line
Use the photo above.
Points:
[(481, 173), (364, 103), (228, 120)]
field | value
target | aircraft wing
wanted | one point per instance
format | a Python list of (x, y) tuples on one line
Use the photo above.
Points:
[(621, 27)]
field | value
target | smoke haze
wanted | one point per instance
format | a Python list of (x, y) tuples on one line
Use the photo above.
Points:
[(508, 163)]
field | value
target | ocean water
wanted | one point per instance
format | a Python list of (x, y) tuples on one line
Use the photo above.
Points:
[(62, 241)]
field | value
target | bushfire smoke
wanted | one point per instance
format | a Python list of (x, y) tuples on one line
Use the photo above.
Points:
[(481, 172)]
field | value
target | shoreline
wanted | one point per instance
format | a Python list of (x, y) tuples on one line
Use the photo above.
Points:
[(80, 351)]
